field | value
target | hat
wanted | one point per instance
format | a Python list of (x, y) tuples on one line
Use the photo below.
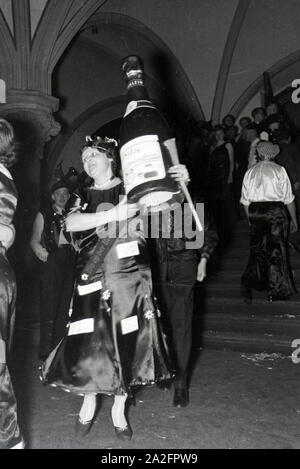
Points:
[(59, 184), (108, 145), (267, 150)]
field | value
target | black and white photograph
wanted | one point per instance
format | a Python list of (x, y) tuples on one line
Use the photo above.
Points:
[(149, 227)]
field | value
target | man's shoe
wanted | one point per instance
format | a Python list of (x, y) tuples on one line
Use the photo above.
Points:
[(181, 397)]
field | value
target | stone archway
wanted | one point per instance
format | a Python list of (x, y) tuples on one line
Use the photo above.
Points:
[(68, 145), (107, 109)]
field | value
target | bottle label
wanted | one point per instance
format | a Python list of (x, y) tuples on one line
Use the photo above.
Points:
[(142, 161), (132, 105)]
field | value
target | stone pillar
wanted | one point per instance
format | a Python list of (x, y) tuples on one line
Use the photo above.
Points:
[(31, 114)]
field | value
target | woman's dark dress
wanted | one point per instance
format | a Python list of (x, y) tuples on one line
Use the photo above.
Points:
[(218, 192), (268, 266), (9, 429), (110, 359)]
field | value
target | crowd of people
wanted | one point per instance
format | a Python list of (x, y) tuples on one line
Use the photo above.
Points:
[(116, 312), (218, 157)]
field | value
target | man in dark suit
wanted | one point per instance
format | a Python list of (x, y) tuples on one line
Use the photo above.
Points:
[(177, 267)]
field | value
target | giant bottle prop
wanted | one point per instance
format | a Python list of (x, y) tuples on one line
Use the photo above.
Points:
[(144, 150)]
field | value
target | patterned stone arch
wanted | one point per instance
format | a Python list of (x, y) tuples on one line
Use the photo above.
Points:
[(257, 84)]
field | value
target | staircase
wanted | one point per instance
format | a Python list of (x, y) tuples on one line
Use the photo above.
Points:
[(227, 322)]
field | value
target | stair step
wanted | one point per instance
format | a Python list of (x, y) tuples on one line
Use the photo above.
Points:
[(234, 262), (266, 324), (233, 291), (257, 302), (254, 343)]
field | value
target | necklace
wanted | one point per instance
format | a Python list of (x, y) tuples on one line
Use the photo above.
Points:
[(98, 186)]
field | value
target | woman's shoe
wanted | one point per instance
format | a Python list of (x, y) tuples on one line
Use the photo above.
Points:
[(82, 428), (124, 434), (17, 443)]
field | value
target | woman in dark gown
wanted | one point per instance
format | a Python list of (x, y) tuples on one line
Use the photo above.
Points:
[(10, 436), (114, 339), (270, 208), (219, 183)]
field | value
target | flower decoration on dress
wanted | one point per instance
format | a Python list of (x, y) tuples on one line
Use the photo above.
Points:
[(106, 295), (149, 314), (84, 277)]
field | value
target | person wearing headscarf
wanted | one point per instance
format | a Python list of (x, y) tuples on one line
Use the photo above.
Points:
[(10, 436), (269, 205)]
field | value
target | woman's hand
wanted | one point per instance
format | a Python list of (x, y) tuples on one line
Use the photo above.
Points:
[(293, 226), (201, 274), (40, 252), (124, 211), (180, 173), (297, 186)]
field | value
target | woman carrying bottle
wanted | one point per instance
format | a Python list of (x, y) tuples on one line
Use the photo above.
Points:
[(114, 340)]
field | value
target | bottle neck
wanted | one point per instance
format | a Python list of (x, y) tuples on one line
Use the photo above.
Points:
[(137, 93)]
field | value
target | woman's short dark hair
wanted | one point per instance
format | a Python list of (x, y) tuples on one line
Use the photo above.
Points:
[(257, 110), (8, 146)]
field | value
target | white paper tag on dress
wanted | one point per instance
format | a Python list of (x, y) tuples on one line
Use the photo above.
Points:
[(84, 326), (127, 249), (89, 288), (129, 325)]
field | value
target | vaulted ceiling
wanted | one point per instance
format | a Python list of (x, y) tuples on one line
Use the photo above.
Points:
[(223, 46)]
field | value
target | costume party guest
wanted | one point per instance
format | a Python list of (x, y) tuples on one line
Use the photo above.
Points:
[(57, 268), (267, 198), (10, 436), (176, 268), (259, 115), (244, 122), (219, 183), (115, 339)]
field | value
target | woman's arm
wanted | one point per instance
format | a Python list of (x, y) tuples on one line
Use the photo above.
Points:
[(292, 211), (246, 208), (88, 221), (231, 162), (36, 236)]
